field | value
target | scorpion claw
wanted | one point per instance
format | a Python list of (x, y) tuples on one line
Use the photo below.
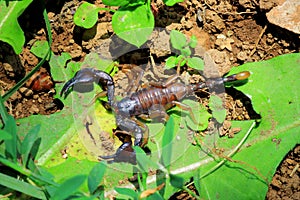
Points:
[(125, 153), (84, 80)]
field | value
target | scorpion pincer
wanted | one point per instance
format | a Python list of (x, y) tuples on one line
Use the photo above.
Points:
[(151, 102)]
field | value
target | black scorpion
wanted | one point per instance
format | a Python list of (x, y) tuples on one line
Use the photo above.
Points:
[(152, 101)]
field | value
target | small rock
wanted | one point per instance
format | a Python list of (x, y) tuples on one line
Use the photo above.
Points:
[(242, 56), (25, 91), (9, 70), (286, 16), (34, 109)]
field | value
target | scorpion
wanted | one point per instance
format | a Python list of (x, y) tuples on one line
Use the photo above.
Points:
[(151, 102)]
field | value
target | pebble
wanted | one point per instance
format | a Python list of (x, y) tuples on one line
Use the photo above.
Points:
[(26, 91), (34, 109)]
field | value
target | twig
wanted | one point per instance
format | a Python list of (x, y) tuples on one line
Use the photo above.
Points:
[(258, 39), (294, 170)]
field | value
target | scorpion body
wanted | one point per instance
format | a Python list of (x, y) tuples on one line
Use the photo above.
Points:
[(152, 102)]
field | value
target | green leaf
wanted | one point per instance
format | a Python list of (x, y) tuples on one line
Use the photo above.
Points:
[(11, 145), (181, 60), (276, 99), (178, 40), (195, 63), (172, 2), (167, 143), (10, 30), (22, 187), (133, 24), (40, 48), (201, 114), (127, 192), (193, 41), (143, 161), (95, 177), (4, 135), (176, 181), (186, 52), (68, 187), (116, 2), (171, 62), (86, 15), (28, 143), (217, 108)]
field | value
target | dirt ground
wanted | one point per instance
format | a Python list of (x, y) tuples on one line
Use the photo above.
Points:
[(237, 31)]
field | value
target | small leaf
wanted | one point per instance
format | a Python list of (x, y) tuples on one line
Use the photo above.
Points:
[(201, 114), (86, 15), (180, 60), (68, 187), (218, 111), (116, 2), (176, 181), (40, 48), (127, 192), (167, 143), (195, 63), (186, 52), (95, 177), (133, 24), (178, 40), (172, 2), (171, 62), (193, 41)]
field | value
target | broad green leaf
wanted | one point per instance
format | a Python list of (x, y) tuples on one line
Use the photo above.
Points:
[(143, 161), (276, 99), (28, 143), (11, 145), (20, 186), (10, 30), (95, 176), (86, 15), (172, 2), (69, 187), (4, 135), (195, 63), (133, 24), (176, 181), (40, 48), (178, 40), (167, 143), (217, 108)]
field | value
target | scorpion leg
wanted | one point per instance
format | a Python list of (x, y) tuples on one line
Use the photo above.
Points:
[(138, 130), (156, 111), (135, 75), (183, 107), (85, 78)]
